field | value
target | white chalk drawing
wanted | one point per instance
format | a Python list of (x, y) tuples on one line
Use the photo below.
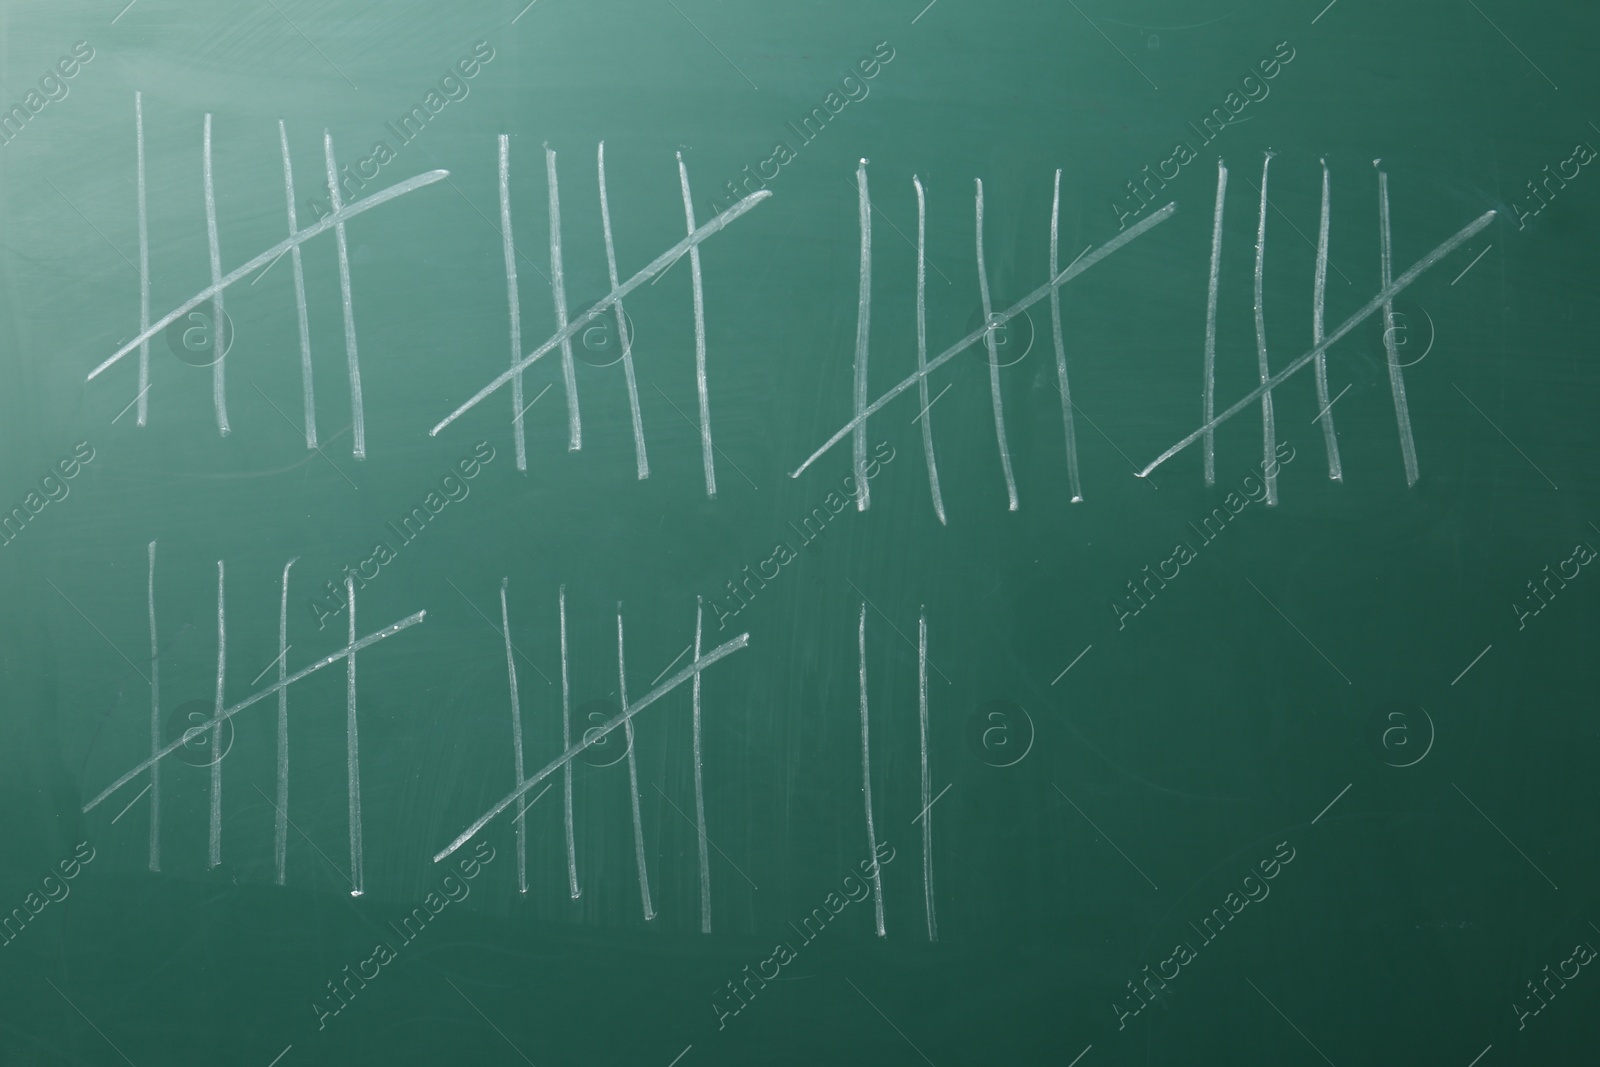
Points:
[(925, 816), (1390, 287), (225, 712), (567, 328), (994, 322), (597, 735), (214, 294)]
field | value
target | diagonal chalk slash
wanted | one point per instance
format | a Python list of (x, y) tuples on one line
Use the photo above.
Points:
[(328, 222)]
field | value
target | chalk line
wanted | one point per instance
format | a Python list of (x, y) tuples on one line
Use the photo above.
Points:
[(352, 360), (699, 788), (922, 350), (1209, 385), (994, 356), (1397, 378), (1269, 429), (623, 337), (633, 777), (866, 775), (516, 713), (858, 440), (1388, 293), (280, 828), (515, 305), (219, 396), (558, 293), (1061, 346), (1318, 300), (310, 402), (701, 389), (352, 748)]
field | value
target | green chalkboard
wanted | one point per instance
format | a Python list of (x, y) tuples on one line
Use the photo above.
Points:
[(684, 532)]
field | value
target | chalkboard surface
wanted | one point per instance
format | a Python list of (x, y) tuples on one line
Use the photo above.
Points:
[(683, 532)]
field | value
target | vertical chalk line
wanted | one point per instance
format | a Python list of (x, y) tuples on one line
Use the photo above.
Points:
[(633, 776), (566, 746), (699, 787), (357, 414), (352, 746), (1269, 431), (994, 355), (1061, 349), (922, 350), (280, 829), (219, 394), (866, 776), (1397, 378), (1319, 300), (558, 293), (515, 305), (144, 298), (216, 729), (927, 783), (1209, 384), (641, 461), (299, 295), (858, 438), (702, 390), (516, 717), (155, 719)]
